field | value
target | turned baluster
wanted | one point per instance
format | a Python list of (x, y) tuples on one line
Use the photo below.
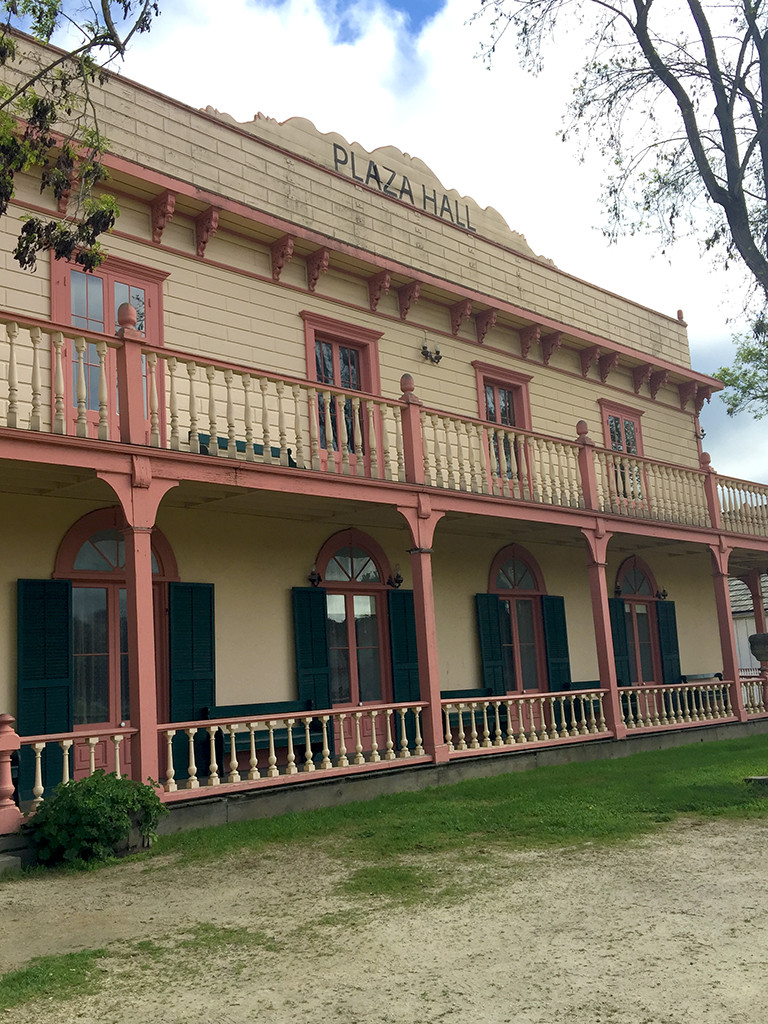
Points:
[(169, 785), (563, 727), (448, 730), (386, 457), (356, 436), (266, 442), (389, 753), (213, 768), (81, 427), (462, 744), (234, 774), (66, 746), (194, 437), (92, 741), (358, 758), (12, 419), (451, 475), (373, 453), (425, 450), (498, 739), (404, 751), (342, 761), (486, 730), (250, 455), (116, 741), (314, 442), (35, 419), (281, 431), (59, 422), (325, 753), (38, 788), (173, 403), (213, 441), (521, 737), (329, 422), (375, 756), (493, 447), (418, 741), (253, 761), (192, 782), (297, 428), (154, 401), (272, 770), (309, 764), (290, 768), (399, 444), (533, 735), (231, 431)]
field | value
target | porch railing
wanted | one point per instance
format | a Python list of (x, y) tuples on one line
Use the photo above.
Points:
[(189, 403), (522, 719), (754, 689), (654, 707)]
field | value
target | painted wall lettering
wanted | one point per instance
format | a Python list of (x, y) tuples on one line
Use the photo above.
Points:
[(398, 186)]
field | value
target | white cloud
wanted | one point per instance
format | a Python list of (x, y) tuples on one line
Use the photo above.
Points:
[(489, 134)]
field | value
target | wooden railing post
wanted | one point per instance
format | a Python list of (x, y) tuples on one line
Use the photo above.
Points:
[(130, 378), (10, 815), (710, 490), (587, 465), (413, 445), (720, 555), (597, 545)]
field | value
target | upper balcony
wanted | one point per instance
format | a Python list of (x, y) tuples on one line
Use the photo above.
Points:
[(122, 389)]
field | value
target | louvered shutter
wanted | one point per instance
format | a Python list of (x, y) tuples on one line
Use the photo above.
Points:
[(489, 630), (310, 630), (620, 642), (402, 636), (668, 645), (556, 642)]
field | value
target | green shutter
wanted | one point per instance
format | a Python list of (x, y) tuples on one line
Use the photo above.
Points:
[(620, 642), (668, 647), (44, 672), (192, 661), (489, 631), (402, 638), (556, 642), (310, 631)]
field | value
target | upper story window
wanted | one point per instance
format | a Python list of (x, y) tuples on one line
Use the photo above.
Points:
[(503, 396), (621, 428), (343, 356), (91, 302)]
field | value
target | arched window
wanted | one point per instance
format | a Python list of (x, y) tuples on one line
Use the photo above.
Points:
[(354, 570), (92, 556), (516, 579), (636, 587)]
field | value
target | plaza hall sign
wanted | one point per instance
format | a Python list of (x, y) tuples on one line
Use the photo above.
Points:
[(396, 185)]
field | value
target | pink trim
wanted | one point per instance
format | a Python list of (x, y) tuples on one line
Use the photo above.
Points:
[(106, 519), (357, 539), (721, 554), (162, 211), (486, 373), (337, 331), (518, 552), (206, 226), (625, 412)]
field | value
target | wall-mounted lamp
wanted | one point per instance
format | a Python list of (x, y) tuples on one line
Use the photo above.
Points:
[(700, 434), (314, 577), (661, 595), (432, 357), (395, 581)]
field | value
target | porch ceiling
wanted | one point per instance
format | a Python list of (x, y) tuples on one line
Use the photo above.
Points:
[(52, 481)]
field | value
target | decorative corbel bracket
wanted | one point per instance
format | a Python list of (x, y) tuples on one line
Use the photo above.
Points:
[(550, 343), (657, 382), (528, 336), (588, 356), (607, 363), (378, 286), (206, 226), (62, 203), (408, 296), (281, 251), (484, 322), (641, 375), (317, 264), (162, 211), (460, 311), (703, 394), (687, 392)]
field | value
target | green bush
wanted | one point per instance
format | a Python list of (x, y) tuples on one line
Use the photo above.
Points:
[(87, 820)]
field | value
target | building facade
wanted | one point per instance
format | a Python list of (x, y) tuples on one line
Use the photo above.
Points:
[(325, 470)]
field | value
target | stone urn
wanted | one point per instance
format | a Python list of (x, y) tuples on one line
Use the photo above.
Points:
[(758, 644)]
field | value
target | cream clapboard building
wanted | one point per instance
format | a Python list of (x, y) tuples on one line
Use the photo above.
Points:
[(326, 456)]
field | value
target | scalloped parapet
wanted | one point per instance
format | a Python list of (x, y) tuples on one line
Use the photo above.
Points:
[(403, 178)]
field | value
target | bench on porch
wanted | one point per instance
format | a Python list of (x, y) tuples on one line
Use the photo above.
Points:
[(277, 710)]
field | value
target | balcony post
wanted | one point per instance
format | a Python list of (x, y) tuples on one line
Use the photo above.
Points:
[(710, 490), (140, 496), (413, 444), (10, 815), (587, 465), (130, 378), (597, 546), (422, 522), (720, 554)]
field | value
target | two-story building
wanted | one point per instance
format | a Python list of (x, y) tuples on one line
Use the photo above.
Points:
[(324, 470)]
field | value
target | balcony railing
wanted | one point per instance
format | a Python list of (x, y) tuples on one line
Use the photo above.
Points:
[(87, 385)]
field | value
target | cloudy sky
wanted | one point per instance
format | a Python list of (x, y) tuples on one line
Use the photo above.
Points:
[(407, 74)]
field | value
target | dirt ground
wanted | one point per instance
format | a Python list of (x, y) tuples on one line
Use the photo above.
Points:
[(670, 929)]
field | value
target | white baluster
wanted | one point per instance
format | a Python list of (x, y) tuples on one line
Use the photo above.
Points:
[(272, 770), (169, 785), (81, 428), (231, 428), (297, 428), (326, 751), (404, 751), (35, 419), (12, 419), (399, 444), (373, 456), (448, 730), (194, 437), (389, 753), (248, 417), (171, 365), (357, 436), (103, 428), (375, 756), (117, 740), (280, 388), (92, 741), (192, 782), (266, 441), (358, 758), (59, 423), (418, 741), (213, 436), (213, 768), (309, 764), (290, 767), (66, 746), (37, 788), (342, 760), (253, 761), (314, 440), (234, 774), (386, 458), (154, 401), (460, 735)]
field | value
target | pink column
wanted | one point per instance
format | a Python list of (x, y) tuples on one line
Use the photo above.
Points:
[(10, 815), (140, 496), (720, 555), (130, 378), (422, 522), (413, 443), (587, 465), (597, 545)]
